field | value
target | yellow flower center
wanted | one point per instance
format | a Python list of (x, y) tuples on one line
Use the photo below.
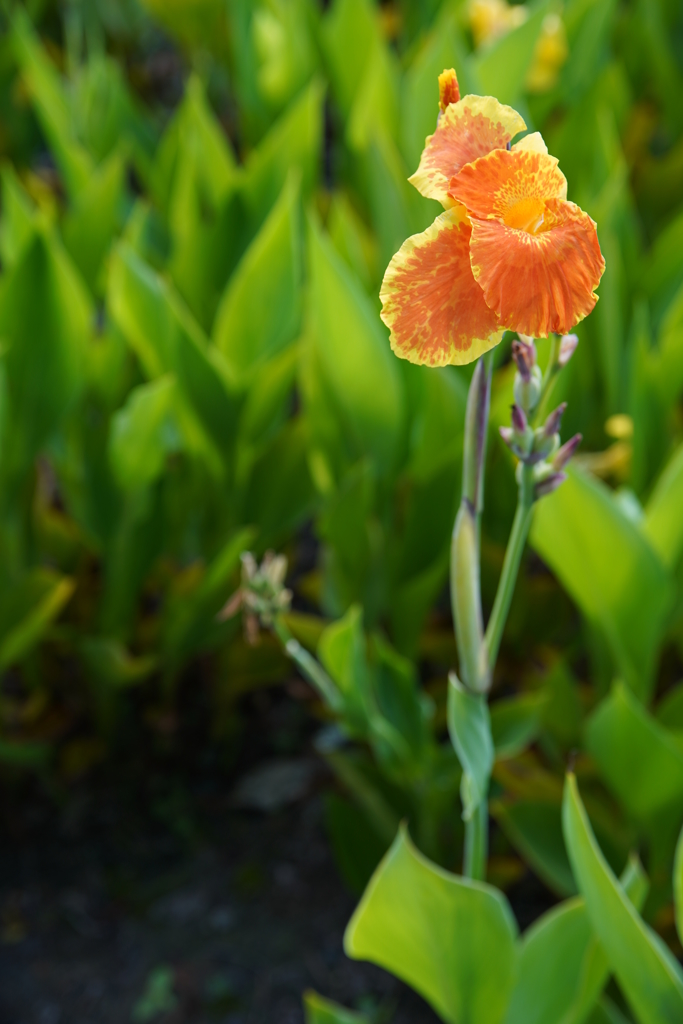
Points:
[(526, 215)]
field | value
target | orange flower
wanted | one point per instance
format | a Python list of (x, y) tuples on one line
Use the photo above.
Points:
[(510, 252)]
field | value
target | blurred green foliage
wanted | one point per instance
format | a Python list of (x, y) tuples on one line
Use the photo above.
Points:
[(198, 200)]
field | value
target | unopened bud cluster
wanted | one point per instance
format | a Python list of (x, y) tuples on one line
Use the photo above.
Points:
[(262, 594), (540, 447)]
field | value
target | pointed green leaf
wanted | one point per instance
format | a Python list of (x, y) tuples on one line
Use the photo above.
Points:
[(354, 354), (260, 311), (18, 217), (609, 569), (143, 433), (563, 968), (166, 338), (36, 602), (293, 142), (646, 970), (639, 760), (44, 324), (451, 939), (663, 524), (323, 1011), (91, 223), (678, 886), (348, 33), (47, 92)]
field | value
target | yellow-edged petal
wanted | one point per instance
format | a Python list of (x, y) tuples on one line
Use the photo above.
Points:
[(468, 129), (431, 303)]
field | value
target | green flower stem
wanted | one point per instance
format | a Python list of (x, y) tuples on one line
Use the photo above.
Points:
[(513, 557), (310, 668), (476, 843), (465, 582)]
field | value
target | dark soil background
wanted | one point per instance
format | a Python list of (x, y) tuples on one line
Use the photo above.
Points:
[(147, 865)]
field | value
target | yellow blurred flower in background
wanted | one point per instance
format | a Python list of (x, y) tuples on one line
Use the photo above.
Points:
[(490, 20)]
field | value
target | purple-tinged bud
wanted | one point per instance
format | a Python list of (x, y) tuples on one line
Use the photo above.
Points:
[(552, 424), (549, 484), (567, 450), (519, 421), (524, 355), (508, 435), (567, 349)]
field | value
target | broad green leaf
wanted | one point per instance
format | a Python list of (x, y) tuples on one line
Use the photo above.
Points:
[(44, 325), (663, 524), (515, 723), (647, 971), (260, 310), (166, 338), (639, 760), (669, 711), (609, 569), (197, 178), (196, 132), (437, 932), (357, 363), (678, 886), (376, 103), (469, 727), (323, 1011), (103, 112), (95, 214), (396, 208), (51, 104), (502, 67), (352, 239), (18, 214), (344, 526), (662, 265), (285, 45), (348, 33), (143, 433), (342, 653), (562, 968), (37, 601), (293, 142), (265, 407)]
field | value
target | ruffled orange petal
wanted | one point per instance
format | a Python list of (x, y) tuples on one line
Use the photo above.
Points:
[(539, 283), (431, 303), (503, 184), (468, 129)]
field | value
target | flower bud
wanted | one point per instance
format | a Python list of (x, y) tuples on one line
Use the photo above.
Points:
[(527, 393), (449, 90), (519, 420), (568, 345), (552, 424), (566, 451), (548, 484), (544, 445), (524, 355)]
